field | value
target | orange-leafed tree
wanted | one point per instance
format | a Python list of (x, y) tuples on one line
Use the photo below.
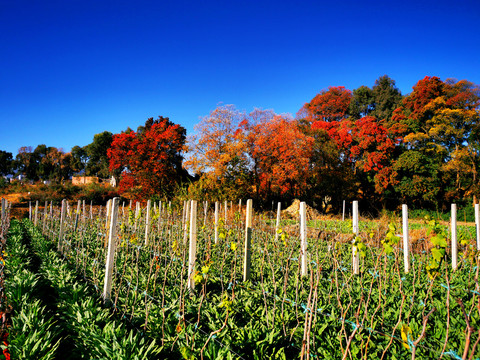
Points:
[(280, 154), (329, 105), (150, 159), (216, 153)]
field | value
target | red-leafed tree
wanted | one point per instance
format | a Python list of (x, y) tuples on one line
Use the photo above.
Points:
[(367, 143), (280, 154), (329, 105), (150, 159)]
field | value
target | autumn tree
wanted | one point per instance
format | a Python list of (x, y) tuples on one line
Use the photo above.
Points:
[(439, 118), (150, 161), (279, 152), (329, 105), (216, 154)]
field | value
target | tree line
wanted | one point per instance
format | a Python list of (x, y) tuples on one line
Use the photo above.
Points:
[(372, 144), (54, 164)]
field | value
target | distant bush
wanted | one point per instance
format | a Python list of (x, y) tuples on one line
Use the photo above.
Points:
[(465, 212), (96, 193)]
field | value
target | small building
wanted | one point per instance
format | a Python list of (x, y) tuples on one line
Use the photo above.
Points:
[(84, 180), (20, 177)]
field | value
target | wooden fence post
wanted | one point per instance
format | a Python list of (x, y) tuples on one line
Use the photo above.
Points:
[(112, 237), (77, 215), (159, 220), (36, 213), (303, 238), (226, 209), (205, 209), (30, 210), (44, 220), (355, 254), (277, 224), (62, 220), (453, 229), (137, 214), (248, 241), (147, 221), (343, 211), (187, 215), (477, 224), (2, 202), (83, 211), (192, 251), (184, 213), (217, 205), (4, 207), (406, 238)]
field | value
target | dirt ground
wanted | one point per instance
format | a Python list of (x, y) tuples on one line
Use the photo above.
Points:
[(19, 207)]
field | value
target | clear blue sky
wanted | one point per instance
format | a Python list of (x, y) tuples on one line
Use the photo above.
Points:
[(72, 68)]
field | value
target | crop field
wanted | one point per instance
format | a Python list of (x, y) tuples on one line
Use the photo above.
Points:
[(162, 301)]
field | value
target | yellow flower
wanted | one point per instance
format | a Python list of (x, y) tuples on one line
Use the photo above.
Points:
[(233, 246), (227, 304), (406, 334), (197, 278)]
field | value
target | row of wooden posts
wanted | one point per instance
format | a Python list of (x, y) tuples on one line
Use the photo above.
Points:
[(406, 238), (190, 231)]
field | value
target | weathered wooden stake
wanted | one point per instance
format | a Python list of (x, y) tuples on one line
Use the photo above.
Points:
[(159, 221), (477, 224), (137, 214), (62, 220), (184, 213), (77, 215), (187, 215), (36, 213), (303, 238), (217, 205), (192, 251), (147, 221), (226, 209), (355, 254), (4, 209), (277, 224), (248, 241), (30, 210), (453, 230), (406, 238), (107, 221), (44, 220), (112, 237), (343, 211), (205, 209)]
